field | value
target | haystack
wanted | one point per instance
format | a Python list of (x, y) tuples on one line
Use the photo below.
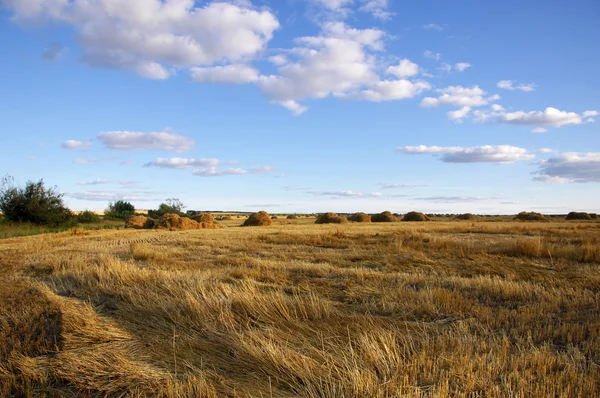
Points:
[(574, 215), (360, 217), (385, 216), (530, 216), (140, 222), (292, 217), (260, 219), (415, 216), (174, 222), (204, 217), (330, 218), (466, 216)]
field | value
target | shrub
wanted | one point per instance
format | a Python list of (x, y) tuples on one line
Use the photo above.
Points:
[(466, 216), (87, 217), (574, 215), (530, 216), (385, 216), (360, 217), (260, 219), (415, 216), (120, 210), (274, 217), (330, 218), (35, 204), (593, 216), (140, 222), (292, 217)]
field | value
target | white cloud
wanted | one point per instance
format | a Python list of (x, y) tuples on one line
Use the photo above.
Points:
[(377, 8), (432, 55), (459, 96), (405, 68), (497, 108), (455, 199), (215, 172), (224, 74), (401, 186), (459, 114), (433, 26), (462, 66), (334, 63), (182, 163), (148, 36), (509, 85), (95, 182), (347, 194), (387, 90), (128, 140), (549, 117), (334, 4), (112, 196), (546, 150), (589, 114), (77, 145), (477, 154), (278, 60), (539, 130), (293, 107), (570, 167)]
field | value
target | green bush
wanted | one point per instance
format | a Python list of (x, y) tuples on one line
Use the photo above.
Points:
[(120, 210), (33, 204), (87, 217)]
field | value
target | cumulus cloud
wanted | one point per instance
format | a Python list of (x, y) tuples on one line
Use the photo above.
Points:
[(405, 68), (459, 96), (459, 114), (347, 194), (510, 85), (149, 36), (432, 26), (432, 55), (339, 62), (479, 154), (224, 74), (182, 163), (77, 145), (462, 66), (129, 140), (549, 117), (570, 167), (216, 172), (377, 8), (401, 186)]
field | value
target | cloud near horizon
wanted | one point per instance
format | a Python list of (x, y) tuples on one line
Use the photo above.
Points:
[(479, 154)]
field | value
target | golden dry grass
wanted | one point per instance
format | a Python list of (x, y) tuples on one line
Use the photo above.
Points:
[(435, 309)]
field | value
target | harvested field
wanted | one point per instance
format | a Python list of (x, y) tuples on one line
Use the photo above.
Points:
[(305, 310)]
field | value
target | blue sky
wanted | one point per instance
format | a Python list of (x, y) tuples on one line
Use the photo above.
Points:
[(305, 106)]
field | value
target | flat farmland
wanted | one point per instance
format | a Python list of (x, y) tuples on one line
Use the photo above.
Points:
[(436, 309)]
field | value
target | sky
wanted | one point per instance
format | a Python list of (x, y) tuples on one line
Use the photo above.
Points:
[(305, 105)]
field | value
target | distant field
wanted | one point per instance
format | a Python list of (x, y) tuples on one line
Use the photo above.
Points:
[(436, 309)]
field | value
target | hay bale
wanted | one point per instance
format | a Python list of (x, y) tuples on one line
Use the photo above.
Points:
[(530, 216), (204, 217), (415, 216), (360, 217), (274, 217), (292, 217), (330, 218), (385, 216), (260, 219), (574, 215), (174, 222), (466, 216), (140, 222)]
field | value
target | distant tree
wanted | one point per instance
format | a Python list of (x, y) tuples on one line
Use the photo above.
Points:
[(173, 206), (120, 210), (35, 204), (87, 217)]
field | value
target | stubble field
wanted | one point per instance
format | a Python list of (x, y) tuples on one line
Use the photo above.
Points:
[(436, 309)]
